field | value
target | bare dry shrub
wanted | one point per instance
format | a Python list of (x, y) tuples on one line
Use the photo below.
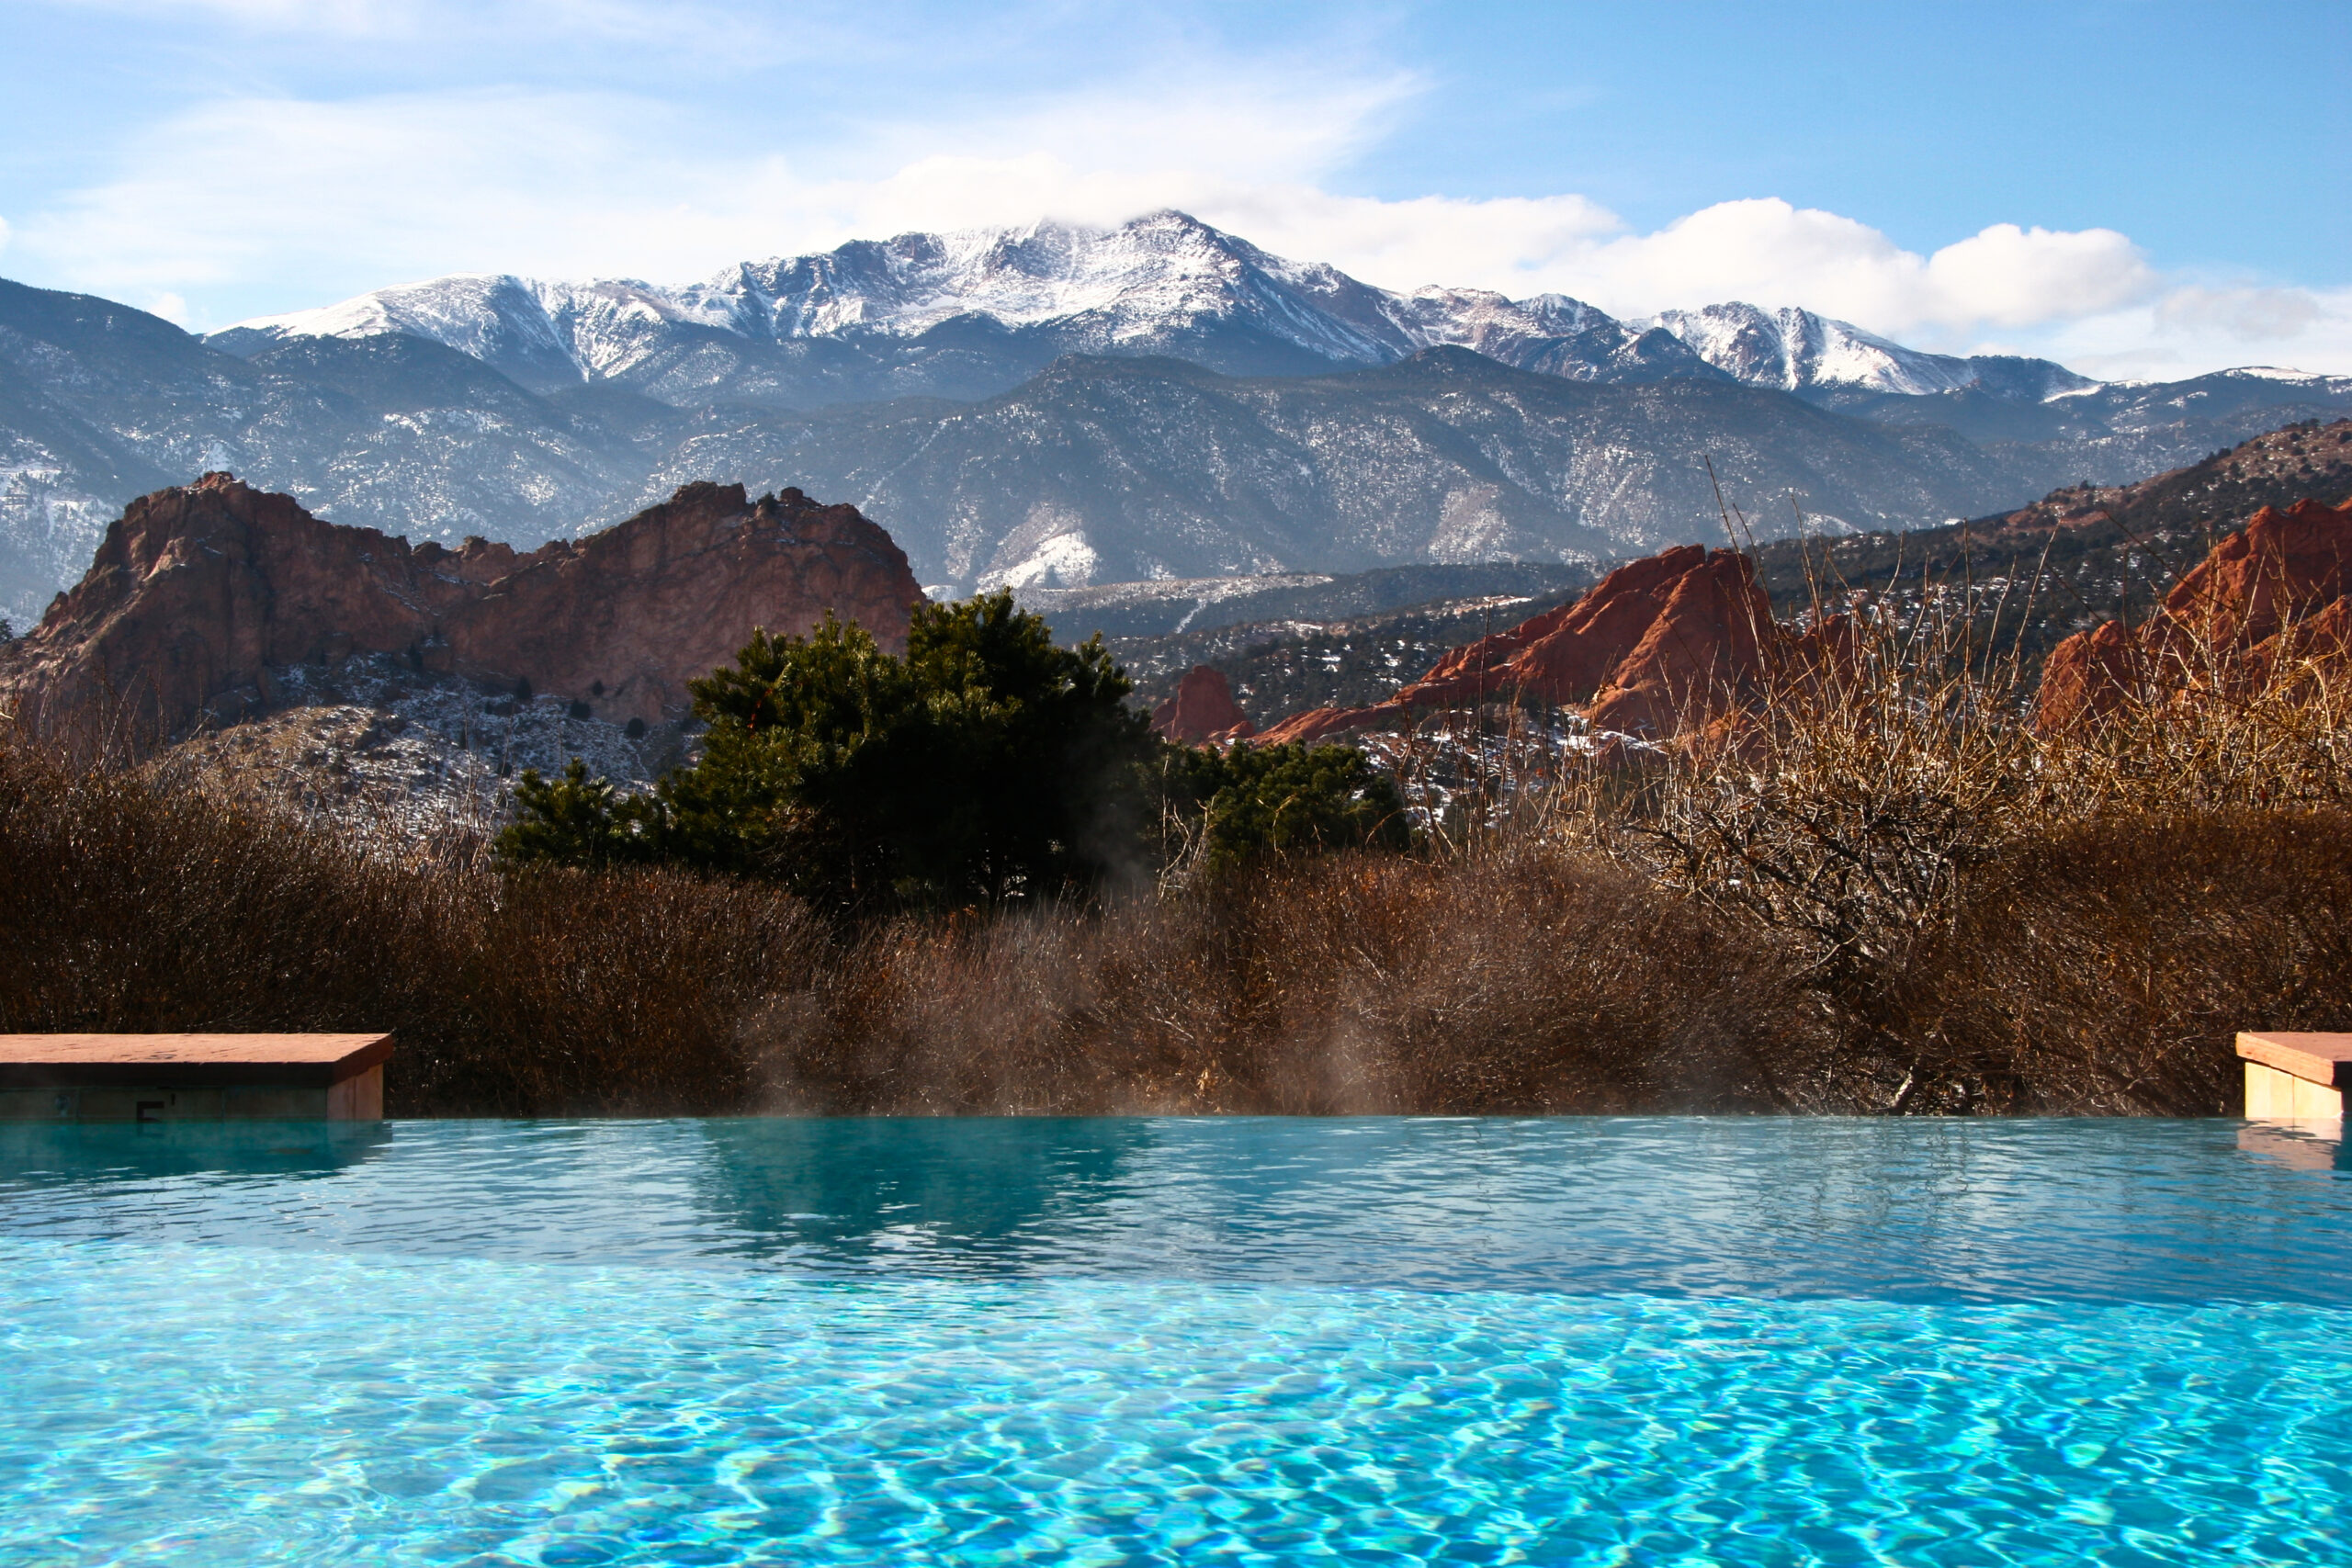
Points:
[(1538, 981), (1533, 980), (1906, 827), (2105, 968), (1845, 820), (622, 992), (1523, 979), (2215, 739), (125, 905)]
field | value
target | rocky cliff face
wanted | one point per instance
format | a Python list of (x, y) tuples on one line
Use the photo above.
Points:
[(200, 595), (1687, 624), (2267, 596), (1202, 711), (1654, 649)]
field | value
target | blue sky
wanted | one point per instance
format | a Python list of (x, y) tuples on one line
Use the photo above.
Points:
[(2135, 187)]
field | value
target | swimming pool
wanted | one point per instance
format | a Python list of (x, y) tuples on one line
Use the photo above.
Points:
[(1129, 1341)]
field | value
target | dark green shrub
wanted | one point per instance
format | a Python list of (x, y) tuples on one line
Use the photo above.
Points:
[(987, 764), (577, 820), (1292, 800)]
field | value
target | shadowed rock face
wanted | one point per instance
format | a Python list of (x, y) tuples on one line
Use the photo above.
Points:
[(2270, 595), (1658, 648), (1203, 710), (199, 594)]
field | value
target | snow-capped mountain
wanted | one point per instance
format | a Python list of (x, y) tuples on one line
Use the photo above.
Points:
[(976, 312), (1158, 399), (1796, 351)]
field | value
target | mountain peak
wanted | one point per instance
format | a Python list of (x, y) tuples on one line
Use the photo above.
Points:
[(1163, 282), (1796, 350)]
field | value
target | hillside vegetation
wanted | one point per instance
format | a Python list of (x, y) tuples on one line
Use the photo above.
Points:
[(1867, 879), (1896, 897)]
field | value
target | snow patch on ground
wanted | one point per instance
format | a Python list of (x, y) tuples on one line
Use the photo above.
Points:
[(1048, 550), (1471, 528), (372, 746)]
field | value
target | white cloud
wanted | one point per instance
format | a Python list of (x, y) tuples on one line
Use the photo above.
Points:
[(252, 204), (2248, 315), (1216, 121), (2009, 276), (2194, 328), (1512, 244), (401, 186), (1768, 252), (350, 195)]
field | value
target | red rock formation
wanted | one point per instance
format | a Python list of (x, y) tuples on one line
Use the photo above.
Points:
[(2270, 595), (199, 592), (1668, 646), (1710, 645), (1568, 655), (1323, 723), (1658, 648), (1202, 711), (2087, 676)]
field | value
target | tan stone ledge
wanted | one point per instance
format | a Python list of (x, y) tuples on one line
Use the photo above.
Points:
[(2296, 1077), (178, 1077)]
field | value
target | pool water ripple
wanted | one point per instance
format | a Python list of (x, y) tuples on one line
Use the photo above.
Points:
[(1145, 1342)]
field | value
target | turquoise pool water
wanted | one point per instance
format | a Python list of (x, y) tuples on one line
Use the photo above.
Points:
[(1637, 1342)]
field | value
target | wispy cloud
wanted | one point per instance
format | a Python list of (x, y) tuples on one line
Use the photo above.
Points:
[(341, 194), (438, 26), (2193, 327)]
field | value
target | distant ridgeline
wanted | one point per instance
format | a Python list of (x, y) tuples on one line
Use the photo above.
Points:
[(1048, 408)]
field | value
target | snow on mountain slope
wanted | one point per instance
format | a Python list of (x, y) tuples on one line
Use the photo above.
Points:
[(1089, 466), (989, 307), (543, 335), (1796, 350), (1139, 288), (1128, 284)]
